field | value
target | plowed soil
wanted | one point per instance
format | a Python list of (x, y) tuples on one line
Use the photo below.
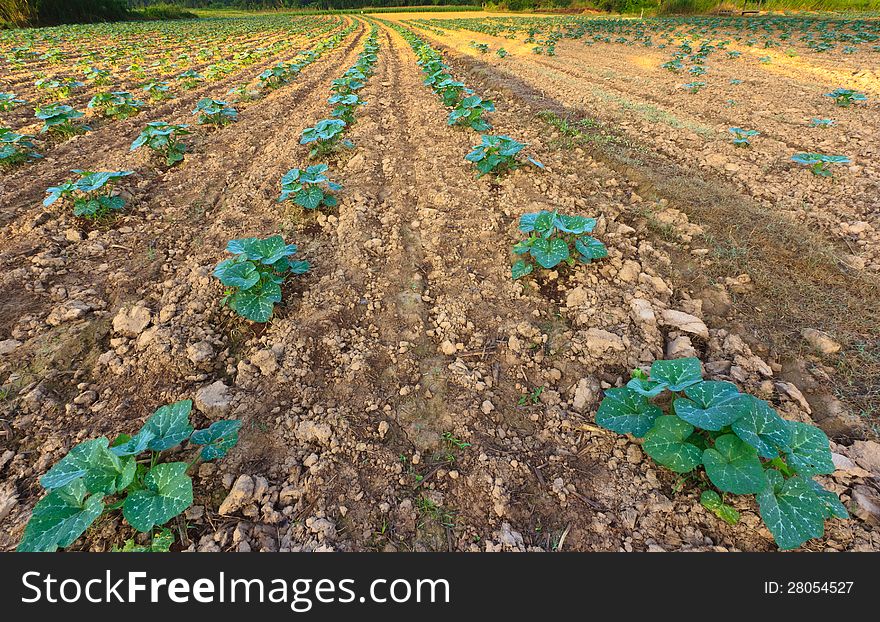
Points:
[(408, 395)]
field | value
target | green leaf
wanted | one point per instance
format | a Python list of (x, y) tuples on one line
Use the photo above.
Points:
[(666, 444), (236, 273), (167, 492), (791, 510), (131, 446), (60, 518), (310, 198), (809, 452), (92, 461), (648, 388), (521, 269), (762, 428), (678, 374), (219, 438), (577, 225), (169, 425), (733, 466), (712, 502), (257, 303), (162, 541), (831, 504), (590, 248), (549, 253), (626, 412), (712, 405)]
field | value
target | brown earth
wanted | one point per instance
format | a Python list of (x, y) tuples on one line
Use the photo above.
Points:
[(408, 395)]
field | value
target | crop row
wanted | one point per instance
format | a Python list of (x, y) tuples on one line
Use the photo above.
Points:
[(61, 121)]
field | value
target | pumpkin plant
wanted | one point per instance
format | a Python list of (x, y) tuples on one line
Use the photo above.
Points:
[(555, 238), (100, 476), (732, 443)]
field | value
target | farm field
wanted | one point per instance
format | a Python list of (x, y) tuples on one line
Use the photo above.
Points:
[(401, 391)]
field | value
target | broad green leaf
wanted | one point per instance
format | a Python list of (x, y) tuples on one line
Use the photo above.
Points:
[(590, 248), (831, 504), (626, 412), (92, 461), (712, 405), (762, 428), (219, 438), (791, 509), (712, 502), (809, 452), (549, 253), (733, 466), (257, 303), (169, 425), (61, 517), (521, 269), (648, 388), (310, 198), (167, 492), (574, 224), (666, 444), (241, 274), (131, 446), (678, 374)]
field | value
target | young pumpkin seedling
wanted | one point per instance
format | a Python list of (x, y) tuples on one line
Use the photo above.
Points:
[(116, 105), (555, 238), (254, 276), (469, 113), (498, 155), (163, 138), (846, 97), (741, 137), (99, 477), (58, 120), (735, 441), (819, 163), (90, 194), (215, 112), (304, 187), (16, 148)]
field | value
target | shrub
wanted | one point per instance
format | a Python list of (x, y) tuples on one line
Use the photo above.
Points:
[(162, 138), (90, 193), (555, 238), (254, 276), (215, 112), (497, 155), (16, 148), (98, 476), (732, 441), (304, 186)]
